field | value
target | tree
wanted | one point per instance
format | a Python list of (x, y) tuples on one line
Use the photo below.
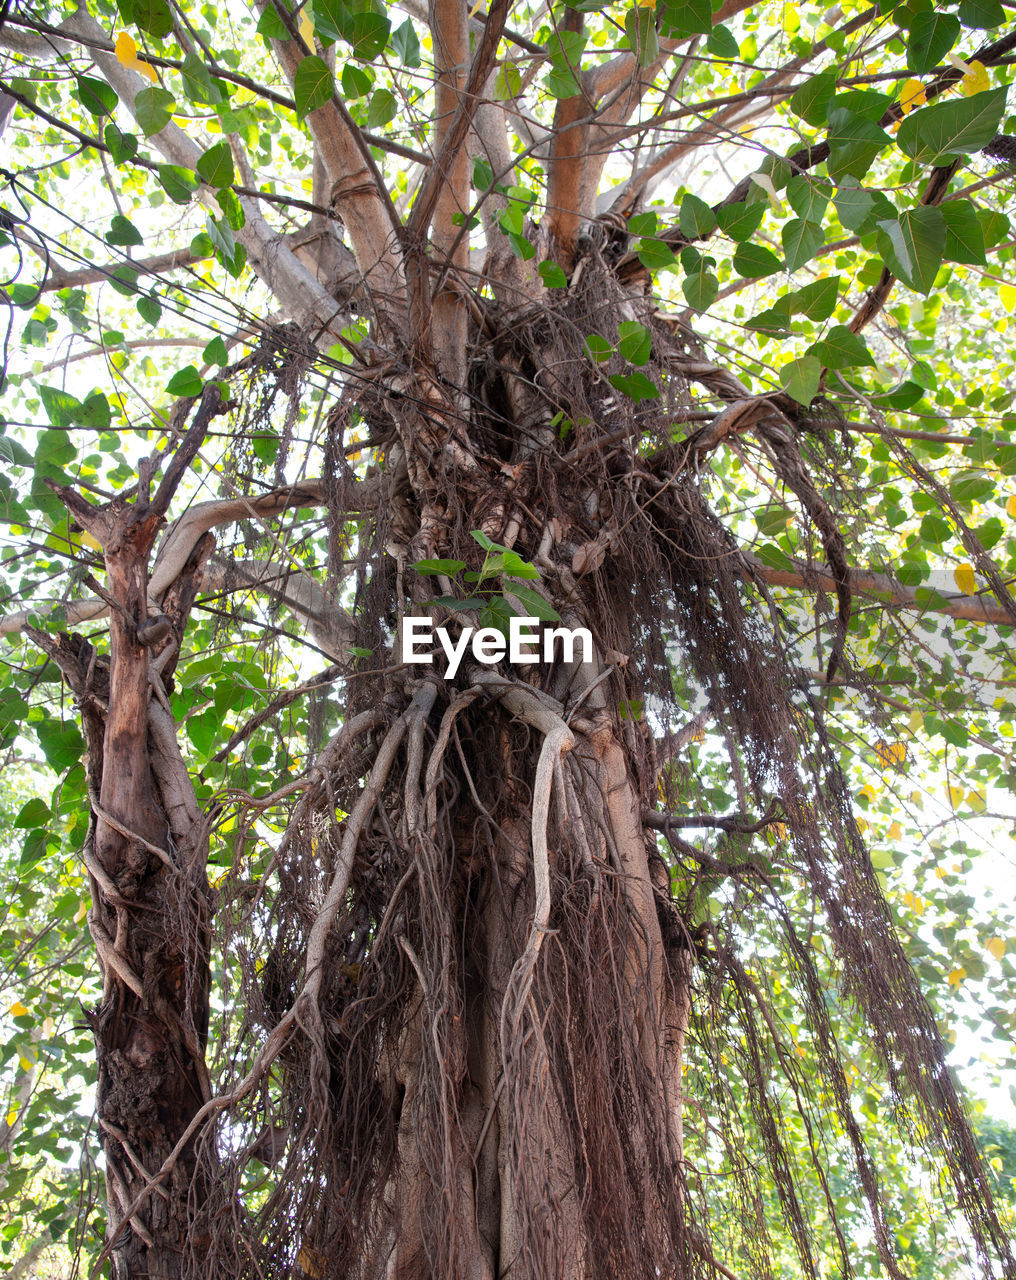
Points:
[(410, 976)]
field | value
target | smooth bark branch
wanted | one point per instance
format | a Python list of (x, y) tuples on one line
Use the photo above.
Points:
[(358, 193), (426, 200), (449, 25), (887, 592), (566, 185)]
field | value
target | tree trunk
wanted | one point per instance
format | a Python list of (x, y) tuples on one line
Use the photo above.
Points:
[(146, 854)]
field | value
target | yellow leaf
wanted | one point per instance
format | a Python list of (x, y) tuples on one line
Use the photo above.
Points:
[(890, 753), (307, 29), (996, 946), (12, 1117), (957, 976), (81, 912), (89, 541), (126, 50), (966, 579), (956, 796), (895, 831), (976, 79), (127, 53), (310, 1262), (912, 95), (18, 1010), (1010, 506), (1007, 296), (976, 800)]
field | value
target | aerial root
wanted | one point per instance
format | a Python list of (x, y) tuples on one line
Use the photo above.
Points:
[(454, 708), (538, 711), (577, 830)]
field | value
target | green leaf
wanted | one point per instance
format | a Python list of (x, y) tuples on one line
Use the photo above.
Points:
[(913, 245), (655, 255), (512, 219), (722, 43), (215, 352), (565, 49), (817, 300), (507, 82), (313, 85), (686, 17), (697, 220), (636, 386), (935, 530), (640, 28), (185, 382), (800, 379), (754, 261), (123, 147), (123, 232), (937, 134), (773, 520), (382, 108), (598, 348), (643, 224), (983, 14), (808, 197), (774, 319), (178, 183), (801, 241), (533, 603), (700, 290), (153, 16), (271, 26), (96, 413), (153, 109), (932, 35), (813, 97), (406, 44), (859, 209), (740, 221), (215, 166), (229, 202), (964, 235), (996, 226), (198, 85), (367, 35), (552, 275), (450, 567), (841, 349), (864, 102), (33, 813), (971, 486), (854, 142), (636, 341), (124, 281), (62, 409), (96, 96), (521, 247), (355, 82), (61, 743)]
